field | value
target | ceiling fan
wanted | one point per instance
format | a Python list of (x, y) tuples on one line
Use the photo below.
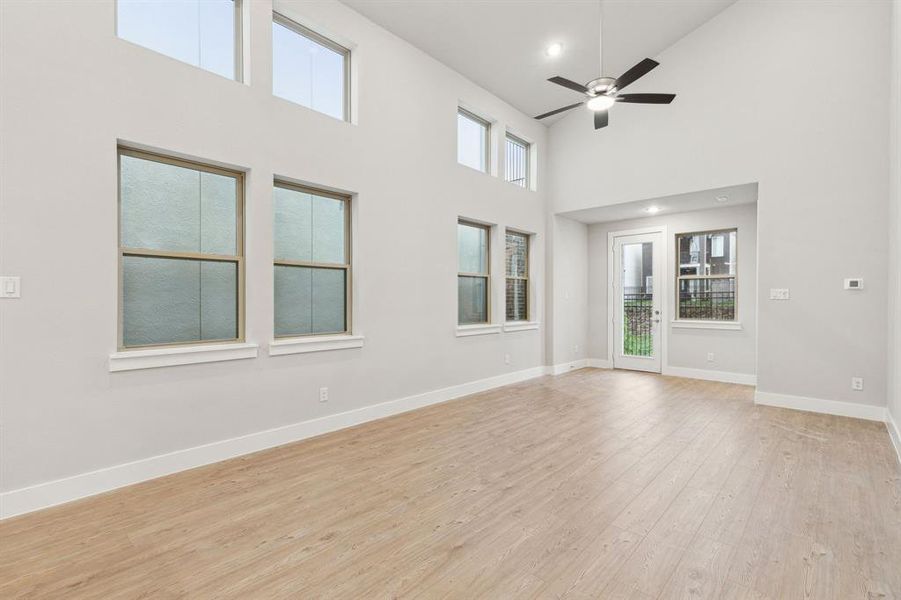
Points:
[(604, 92)]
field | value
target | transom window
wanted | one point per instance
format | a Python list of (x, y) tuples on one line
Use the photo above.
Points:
[(311, 233), (517, 163), (309, 69), (517, 266), (472, 140), (473, 273), (706, 275), (204, 33), (181, 247)]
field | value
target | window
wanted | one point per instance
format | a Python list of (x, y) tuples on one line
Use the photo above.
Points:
[(517, 166), (309, 69), (311, 233), (181, 246), (706, 275), (204, 33), (517, 260), (472, 278), (472, 140)]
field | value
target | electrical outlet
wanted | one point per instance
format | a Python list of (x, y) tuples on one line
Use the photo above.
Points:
[(506, 359), (323, 394), (857, 384), (710, 357), (779, 294), (10, 287)]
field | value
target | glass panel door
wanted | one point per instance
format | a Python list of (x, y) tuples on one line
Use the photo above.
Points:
[(636, 316)]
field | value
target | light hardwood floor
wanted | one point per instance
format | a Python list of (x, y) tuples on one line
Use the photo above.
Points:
[(595, 484)]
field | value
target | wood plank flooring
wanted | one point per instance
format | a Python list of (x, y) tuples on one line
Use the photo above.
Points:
[(594, 484)]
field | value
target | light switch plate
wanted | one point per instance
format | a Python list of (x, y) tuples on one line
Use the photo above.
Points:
[(10, 287), (779, 294)]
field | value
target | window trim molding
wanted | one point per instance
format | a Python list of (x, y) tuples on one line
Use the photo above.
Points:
[(314, 343), (347, 267), (314, 36), (679, 322), (465, 112), (486, 275), (527, 146), (150, 358), (123, 251)]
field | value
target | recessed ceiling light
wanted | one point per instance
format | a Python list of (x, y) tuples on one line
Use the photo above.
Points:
[(722, 198), (554, 49), (652, 209)]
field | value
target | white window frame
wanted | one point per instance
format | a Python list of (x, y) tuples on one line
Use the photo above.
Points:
[(527, 149), (318, 38), (527, 278), (468, 114)]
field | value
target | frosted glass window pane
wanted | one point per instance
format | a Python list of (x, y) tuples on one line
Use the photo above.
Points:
[(198, 32), (472, 246), (307, 72), (472, 300), (517, 255), (517, 299), (472, 143), (328, 230), (218, 218), (168, 207), (328, 300), (309, 300), (160, 206), (218, 300), (293, 300), (167, 300), (293, 224), (161, 300)]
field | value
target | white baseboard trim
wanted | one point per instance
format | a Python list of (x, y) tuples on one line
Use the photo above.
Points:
[(51, 493), (829, 407), (893, 432), (599, 363), (710, 375), (566, 367)]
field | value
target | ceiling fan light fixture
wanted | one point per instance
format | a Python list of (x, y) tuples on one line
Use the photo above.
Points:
[(600, 103)]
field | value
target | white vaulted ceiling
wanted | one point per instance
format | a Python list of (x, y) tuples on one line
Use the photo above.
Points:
[(500, 44)]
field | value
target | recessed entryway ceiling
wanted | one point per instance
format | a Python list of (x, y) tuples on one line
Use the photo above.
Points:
[(500, 44)]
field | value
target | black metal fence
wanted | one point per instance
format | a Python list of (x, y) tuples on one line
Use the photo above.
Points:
[(708, 300), (637, 315)]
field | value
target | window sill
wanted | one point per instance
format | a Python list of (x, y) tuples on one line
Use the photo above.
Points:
[(521, 325), (721, 325), (130, 360), (480, 329), (321, 343)]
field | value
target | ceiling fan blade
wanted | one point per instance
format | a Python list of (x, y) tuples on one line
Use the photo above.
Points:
[(646, 98), (635, 73), (559, 110), (568, 84), (600, 119)]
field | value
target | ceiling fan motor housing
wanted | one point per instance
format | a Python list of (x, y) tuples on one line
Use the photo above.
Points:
[(601, 85)]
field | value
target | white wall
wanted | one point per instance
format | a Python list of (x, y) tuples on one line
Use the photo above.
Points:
[(71, 89), (755, 104), (568, 288), (894, 317), (734, 351)]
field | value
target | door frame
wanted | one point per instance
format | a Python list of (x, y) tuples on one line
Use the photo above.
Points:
[(665, 291)]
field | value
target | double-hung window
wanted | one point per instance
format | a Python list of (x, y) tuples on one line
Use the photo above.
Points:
[(204, 33), (473, 277), (311, 232), (706, 275), (517, 267), (181, 247), (309, 69), (472, 140), (517, 163)]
